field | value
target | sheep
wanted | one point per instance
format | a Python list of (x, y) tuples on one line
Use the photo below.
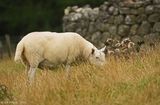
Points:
[(48, 49)]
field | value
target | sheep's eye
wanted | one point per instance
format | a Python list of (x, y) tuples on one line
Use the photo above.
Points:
[(97, 57)]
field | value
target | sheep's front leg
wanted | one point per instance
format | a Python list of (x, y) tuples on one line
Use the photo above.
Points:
[(31, 74)]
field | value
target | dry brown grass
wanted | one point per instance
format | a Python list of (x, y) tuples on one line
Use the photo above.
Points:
[(120, 82)]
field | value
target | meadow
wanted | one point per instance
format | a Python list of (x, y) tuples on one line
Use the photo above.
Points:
[(133, 81)]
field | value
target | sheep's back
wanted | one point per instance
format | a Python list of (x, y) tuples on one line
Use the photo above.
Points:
[(55, 47)]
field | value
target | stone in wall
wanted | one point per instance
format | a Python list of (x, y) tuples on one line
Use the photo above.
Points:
[(157, 8), (156, 1), (149, 9), (144, 28), (140, 18), (151, 39), (156, 27), (154, 17), (113, 29), (130, 19), (123, 30), (133, 30), (119, 19)]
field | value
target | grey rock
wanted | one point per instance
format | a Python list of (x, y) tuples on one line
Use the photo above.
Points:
[(137, 4), (156, 27), (147, 2), (154, 17), (157, 8), (84, 32), (123, 30), (130, 19), (141, 18), (86, 12), (141, 10), (65, 19), (82, 23), (149, 9), (92, 27), (103, 7), (75, 16), (111, 9), (111, 19), (133, 12), (103, 16), (133, 30), (116, 11), (67, 10), (79, 30), (105, 35), (144, 28), (70, 27), (95, 37), (152, 38), (156, 1), (106, 3), (74, 8), (132, 4), (136, 38), (113, 30), (103, 27), (121, 4), (119, 19), (124, 10)]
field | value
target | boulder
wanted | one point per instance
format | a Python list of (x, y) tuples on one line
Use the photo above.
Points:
[(156, 27), (119, 19), (133, 30), (149, 9), (154, 17), (130, 19), (144, 28), (124, 10), (113, 30), (156, 1), (123, 30), (141, 18)]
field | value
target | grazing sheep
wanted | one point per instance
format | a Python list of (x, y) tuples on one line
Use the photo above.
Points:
[(48, 49)]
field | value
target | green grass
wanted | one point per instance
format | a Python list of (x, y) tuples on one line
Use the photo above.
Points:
[(135, 81)]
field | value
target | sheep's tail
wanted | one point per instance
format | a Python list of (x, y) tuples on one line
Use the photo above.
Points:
[(19, 51)]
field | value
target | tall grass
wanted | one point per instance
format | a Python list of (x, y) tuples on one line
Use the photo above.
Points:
[(135, 81)]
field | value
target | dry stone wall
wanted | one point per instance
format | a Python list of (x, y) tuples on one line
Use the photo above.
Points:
[(138, 19)]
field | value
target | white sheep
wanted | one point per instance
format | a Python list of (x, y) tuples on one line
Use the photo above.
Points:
[(48, 49)]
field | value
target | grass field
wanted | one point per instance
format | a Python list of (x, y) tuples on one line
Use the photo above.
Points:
[(135, 81)]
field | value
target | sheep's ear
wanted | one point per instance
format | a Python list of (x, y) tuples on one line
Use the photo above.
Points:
[(93, 50), (105, 51), (106, 43)]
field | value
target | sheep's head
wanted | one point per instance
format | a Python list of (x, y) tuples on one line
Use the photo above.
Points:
[(97, 57)]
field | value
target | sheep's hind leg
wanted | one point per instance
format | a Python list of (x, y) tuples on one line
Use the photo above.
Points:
[(26, 69), (31, 74)]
